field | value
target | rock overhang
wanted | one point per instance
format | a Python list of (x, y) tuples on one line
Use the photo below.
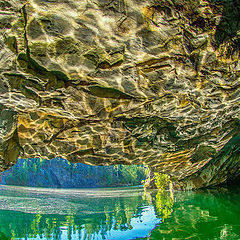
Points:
[(107, 82)]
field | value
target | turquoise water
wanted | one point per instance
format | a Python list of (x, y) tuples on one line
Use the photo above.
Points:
[(118, 213)]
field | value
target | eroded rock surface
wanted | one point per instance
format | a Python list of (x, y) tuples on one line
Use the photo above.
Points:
[(123, 81)]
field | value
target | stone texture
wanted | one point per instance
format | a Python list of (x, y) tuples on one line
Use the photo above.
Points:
[(124, 81)]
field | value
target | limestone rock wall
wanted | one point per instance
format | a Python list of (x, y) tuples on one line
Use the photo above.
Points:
[(123, 81)]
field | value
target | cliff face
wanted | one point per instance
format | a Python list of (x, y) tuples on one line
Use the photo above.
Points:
[(124, 81)]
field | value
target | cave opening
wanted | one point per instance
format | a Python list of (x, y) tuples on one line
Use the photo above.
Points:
[(60, 173)]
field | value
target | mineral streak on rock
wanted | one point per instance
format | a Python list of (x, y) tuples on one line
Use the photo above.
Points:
[(123, 81)]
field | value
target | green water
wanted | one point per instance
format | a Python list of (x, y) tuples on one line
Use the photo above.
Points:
[(118, 213)]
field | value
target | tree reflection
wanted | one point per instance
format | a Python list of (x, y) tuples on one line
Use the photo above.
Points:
[(162, 201), (203, 214), (95, 216)]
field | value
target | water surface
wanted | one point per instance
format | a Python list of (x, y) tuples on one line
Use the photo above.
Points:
[(118, 213)]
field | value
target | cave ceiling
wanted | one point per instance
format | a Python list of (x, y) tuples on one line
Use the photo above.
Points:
[(122, 81)]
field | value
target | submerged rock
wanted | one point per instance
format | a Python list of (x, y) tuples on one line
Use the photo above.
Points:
[(126, 81)]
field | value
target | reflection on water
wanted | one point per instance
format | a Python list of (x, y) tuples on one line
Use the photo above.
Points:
[(117, 213), (37, 213), (206, 214)]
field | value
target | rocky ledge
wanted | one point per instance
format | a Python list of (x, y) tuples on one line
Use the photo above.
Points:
[(123, 82)]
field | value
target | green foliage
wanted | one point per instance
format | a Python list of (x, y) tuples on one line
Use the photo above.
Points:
[(162, 181), (62, 173)]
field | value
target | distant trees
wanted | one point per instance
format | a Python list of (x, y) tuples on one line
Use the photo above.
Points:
[(61, 173)]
